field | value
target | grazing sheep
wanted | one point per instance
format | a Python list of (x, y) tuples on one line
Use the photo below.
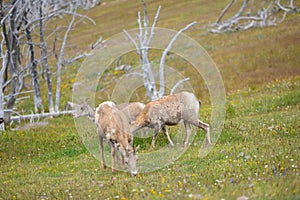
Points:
[(131, 110), (170, 110), (113, 126)]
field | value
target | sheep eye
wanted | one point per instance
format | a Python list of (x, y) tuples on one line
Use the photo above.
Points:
[(113, 141)]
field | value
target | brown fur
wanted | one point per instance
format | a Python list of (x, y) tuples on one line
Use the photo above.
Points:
[(131, 110), (113, 126), (170, 110)]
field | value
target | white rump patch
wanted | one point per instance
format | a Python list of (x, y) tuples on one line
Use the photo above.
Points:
[(109, 103)]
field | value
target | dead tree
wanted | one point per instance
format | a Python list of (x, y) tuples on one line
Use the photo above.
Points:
[(44, 60), (13, 52), (244, 20), (145, 37), (2, 71), (33, 67), (60, 61), (19, 18)]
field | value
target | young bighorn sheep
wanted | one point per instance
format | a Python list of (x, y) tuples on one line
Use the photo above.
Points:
[(131, 110), (170, 110), (113, 126)]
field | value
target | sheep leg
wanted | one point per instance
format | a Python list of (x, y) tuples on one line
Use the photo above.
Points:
[(117, 156), (204, 127), (102, 152), (113, 157), (168, 136), (123, 162), (156, 130), (188, 133)]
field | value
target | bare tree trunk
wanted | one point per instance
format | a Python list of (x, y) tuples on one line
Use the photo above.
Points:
[(45, 66), (3, 71), (34, 75), (60, 61), (14, 58), (31, 117), (5, 40), (4, 61)]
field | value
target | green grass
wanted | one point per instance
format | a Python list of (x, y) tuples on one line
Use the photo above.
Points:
[(257, 155)]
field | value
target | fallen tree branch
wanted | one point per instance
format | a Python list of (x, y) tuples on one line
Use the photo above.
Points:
[(40, 115), (243, 21)]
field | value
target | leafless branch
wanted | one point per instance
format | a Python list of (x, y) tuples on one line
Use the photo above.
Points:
[(135, 74), (282, 7), (80, 15), (145, 23), (178, 84), (60, 62), (163, 57), (153, 25), (224, 11), (10, 11), (97, 43), (241, 9), (262, 18), (133, 41), (141, 30), (69, 61)]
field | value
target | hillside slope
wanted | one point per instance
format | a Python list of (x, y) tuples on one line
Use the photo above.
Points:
[(244, 58)]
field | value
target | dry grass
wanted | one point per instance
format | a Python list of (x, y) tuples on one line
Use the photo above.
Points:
[(245, 59)]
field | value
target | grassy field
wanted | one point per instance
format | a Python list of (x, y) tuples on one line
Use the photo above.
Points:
[(257, 154)]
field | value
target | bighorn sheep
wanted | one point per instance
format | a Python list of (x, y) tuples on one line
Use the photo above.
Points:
[(113, 126), (170, 110), (131, 110)]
